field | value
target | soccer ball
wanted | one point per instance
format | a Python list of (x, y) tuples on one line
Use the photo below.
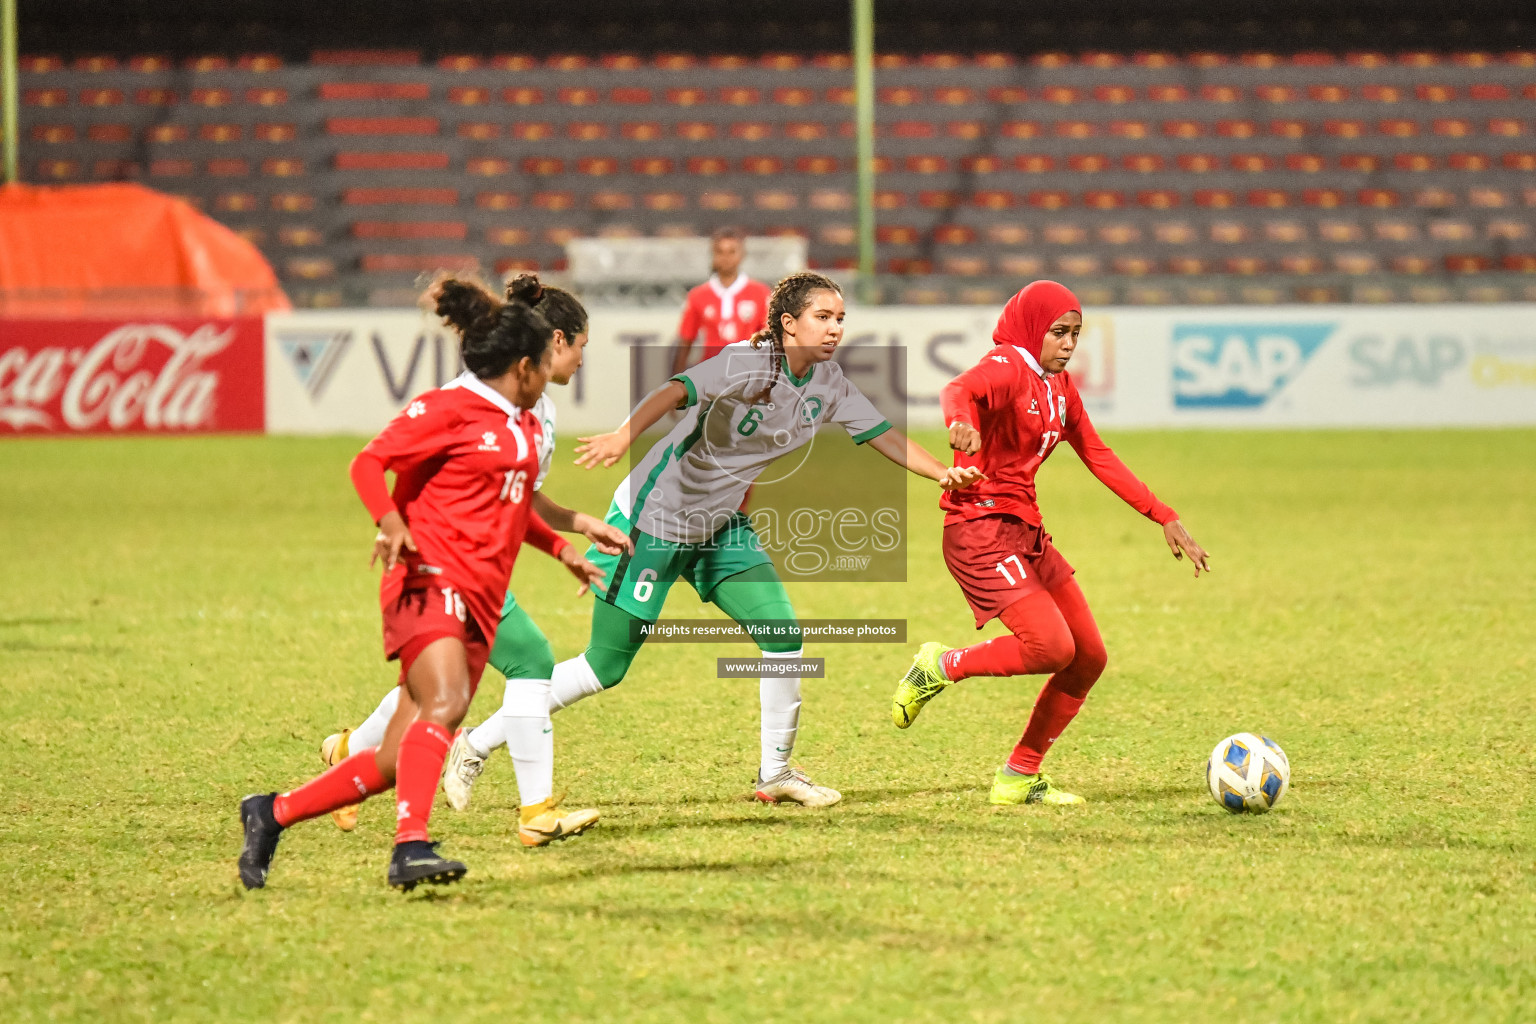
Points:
[(1248, 773)]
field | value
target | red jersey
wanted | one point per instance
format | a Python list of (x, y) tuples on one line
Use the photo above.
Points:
[(465, 462), (724, 315), (1022, 413)]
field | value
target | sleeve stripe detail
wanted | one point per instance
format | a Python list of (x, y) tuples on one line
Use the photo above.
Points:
[(693, 394), (872, 432)]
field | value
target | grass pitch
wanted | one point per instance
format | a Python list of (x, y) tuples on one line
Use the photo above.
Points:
[(185, 619)]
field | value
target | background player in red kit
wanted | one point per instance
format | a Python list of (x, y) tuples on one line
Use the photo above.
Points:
[(728, 308), (1006, 415), (465, 458)]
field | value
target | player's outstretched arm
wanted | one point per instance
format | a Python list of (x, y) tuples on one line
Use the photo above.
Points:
[(610, 540), (914, 458), (606, 449)]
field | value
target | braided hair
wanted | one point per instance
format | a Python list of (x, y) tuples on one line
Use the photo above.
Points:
[(793, 296), (494, 336)]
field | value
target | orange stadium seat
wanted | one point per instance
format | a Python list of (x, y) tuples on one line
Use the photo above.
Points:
[(1489, 91), (641, 131), (522, 96), (1287, 231), (228, 167), (817, 164), (58, 170), (775, 199), (695, 131), (310, 268), (954, 96), (597, 166), (172, 168), (1268, 198), (720, 200), (487, 166), (366, 58), (1276, 93), (1119, 234), (889, 199), (751, 131), (910, 129), (1218, 198), (1198, 163), (95, 64), (1467, 263), (762, 165), (1344, 129), (792, 97), (1247, 265), (1519, 161), (982, 164), (468, 96), (1413, 162), (1523, 263), (266, 97), (1183, 129), (1174, 232), (1019, 129), (1236, 129), (611, 201), (708, 165), (1362, 163), (1104, 199), (1034, 163), (1075, 129), (220, 132), (282, 167), (101, 97), (805, 131), (1288, 129), (1229, 232), (1307, 163), (498, 200), (292, 202), (1158, 199), (506, 234), (374, 91), (554, 200), (54, 133), (300, 235), (543, 166), (1007, 94), (45, 97), (993, 199), (1378, 197), (1050, 199), (586, 131), (235, 202), (651, 166), (527, 131), (925, 164), (1251, 163), (1489, 198), (518, 266), (259, 62), (109, 132), (1221, 94), (578, 97), (1020, 265), (1189, 265)]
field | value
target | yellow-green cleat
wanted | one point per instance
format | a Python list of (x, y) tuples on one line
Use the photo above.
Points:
[(921, 684), (1008, 789)]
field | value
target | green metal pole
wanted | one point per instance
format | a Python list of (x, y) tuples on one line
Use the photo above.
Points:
[(8, 84), (864, 95)]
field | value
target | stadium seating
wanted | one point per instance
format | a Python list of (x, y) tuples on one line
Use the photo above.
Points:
[(363, 167)]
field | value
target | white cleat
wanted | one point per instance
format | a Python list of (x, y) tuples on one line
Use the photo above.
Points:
[(792, 787), (462, 769)]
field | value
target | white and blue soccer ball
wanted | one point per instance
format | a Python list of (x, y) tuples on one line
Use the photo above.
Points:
[(1247, 773)]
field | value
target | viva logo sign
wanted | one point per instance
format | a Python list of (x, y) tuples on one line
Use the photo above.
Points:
[(1235, 366)]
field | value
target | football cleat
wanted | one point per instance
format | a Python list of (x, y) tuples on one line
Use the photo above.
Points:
[(417, 861), (461, 770), (544, 823), (1008, 788), (921, 684), (791, 786), (333, 751), (261, 835)]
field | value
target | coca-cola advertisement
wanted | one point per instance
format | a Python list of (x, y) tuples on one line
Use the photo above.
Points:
[(138, 377)]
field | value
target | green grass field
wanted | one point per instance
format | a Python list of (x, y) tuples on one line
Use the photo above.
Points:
[(185, 619)]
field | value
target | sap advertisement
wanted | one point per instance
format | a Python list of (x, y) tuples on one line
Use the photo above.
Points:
[(348, 371)]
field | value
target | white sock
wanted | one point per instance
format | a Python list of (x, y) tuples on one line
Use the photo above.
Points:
[(530, 738), (371, 732), (780, 697), (572, 681), (489, 735)]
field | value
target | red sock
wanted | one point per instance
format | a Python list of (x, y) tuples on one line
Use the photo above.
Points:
[(1053, 712), (1040, 642), (356, 778), (423, 749)]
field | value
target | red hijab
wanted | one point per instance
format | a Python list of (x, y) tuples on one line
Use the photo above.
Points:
[(1030, 313)]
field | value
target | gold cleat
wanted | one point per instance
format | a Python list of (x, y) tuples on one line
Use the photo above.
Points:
[(544, 823)]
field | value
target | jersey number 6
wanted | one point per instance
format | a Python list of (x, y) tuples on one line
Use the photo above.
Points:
[(644, 586)]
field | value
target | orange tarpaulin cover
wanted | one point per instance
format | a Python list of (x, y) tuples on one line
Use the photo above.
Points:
[(73, 250)]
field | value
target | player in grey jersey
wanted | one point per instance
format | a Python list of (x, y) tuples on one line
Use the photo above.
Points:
[(752, 403)]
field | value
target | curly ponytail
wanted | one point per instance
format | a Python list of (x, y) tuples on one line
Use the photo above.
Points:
[(493, 335), (563, 310), (791, 295)]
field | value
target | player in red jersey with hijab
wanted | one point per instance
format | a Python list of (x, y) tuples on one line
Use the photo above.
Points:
[(465, 458), (1006, 415), (728, 308)]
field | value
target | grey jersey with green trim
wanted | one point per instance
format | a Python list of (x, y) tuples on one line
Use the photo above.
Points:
[(693, 480)]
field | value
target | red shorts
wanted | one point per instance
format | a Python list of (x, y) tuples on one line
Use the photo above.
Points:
[(999, 559), (428, 611)]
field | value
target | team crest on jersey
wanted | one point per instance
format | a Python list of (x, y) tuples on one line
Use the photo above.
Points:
[(416, 409), (809, 410), (710, 313), (746, 309), (998, 359), (488, 442)]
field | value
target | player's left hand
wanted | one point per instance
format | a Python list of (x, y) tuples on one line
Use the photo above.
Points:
[(589, 574), (610, 540), (1181, 544), (957, 478)]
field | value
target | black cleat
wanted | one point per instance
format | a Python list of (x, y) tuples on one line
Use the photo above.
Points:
[(417, 861), (261, 835)]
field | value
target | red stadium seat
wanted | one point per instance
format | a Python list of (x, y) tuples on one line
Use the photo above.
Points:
[(664, 201), (1087, 163), (651, 166), (101, 97), (1344, 129), (1075, 129), (1237, 129), (1301, 264), (1523, 263), (235, 202), (109, 132), (1413, 162), (400, 197), (1129, 129), (1268, 198), (1158, 199), (522, 96), (1251, 163), (965, 129), (266, 97), (1245, 265), (45, 97), (597, 166), (781, 61), (1050, 199), (586, 131), (1119, 234), (1435, 93), (1007, 94), (300, 235), (460, 62), (762, 165), (1183, 129), (708, 165), (554, 200), (1399, 129), (1285, 231), (1020, 265), (1061, 94), (993, 199), (523, 265), (282, 167), (1307, 163), (695, 131), (899, 97), (629, 96), (911, 130), (1198, 163), (1490, 91), (817, 164), (487, 166), (1019, 129), (95, 64), (1168, 94), (1143, 163), (393, 91), (983, 164), (896, 234), (1221, 94), (1034, 163), (1104, 199), (58, 170), (398, 263), (36, 64), (805, 131), (469, 96), (1189, 265), (840, 95), (409, 229), (228, 167), (481, 130), (720, 200), (1467, 263), (1381, 93), (775, 199), (611, 201), (1277, 93), (1362, 163), (790, 97), (1101, 59), (1489, 198), (621, 62), (1155, 59), (1519, 161), (1469, 161), (1378, 197), (641, 131), (954, 96), (309, 268), (164, 134), (543, 166), (752, 131), (577, 97), (954, 234), (568, 62), (507, 235), (53, 133), (1508, 127), (498, 200), (889, 199), (1063, 233), (1288, 129), (1114, 94)]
